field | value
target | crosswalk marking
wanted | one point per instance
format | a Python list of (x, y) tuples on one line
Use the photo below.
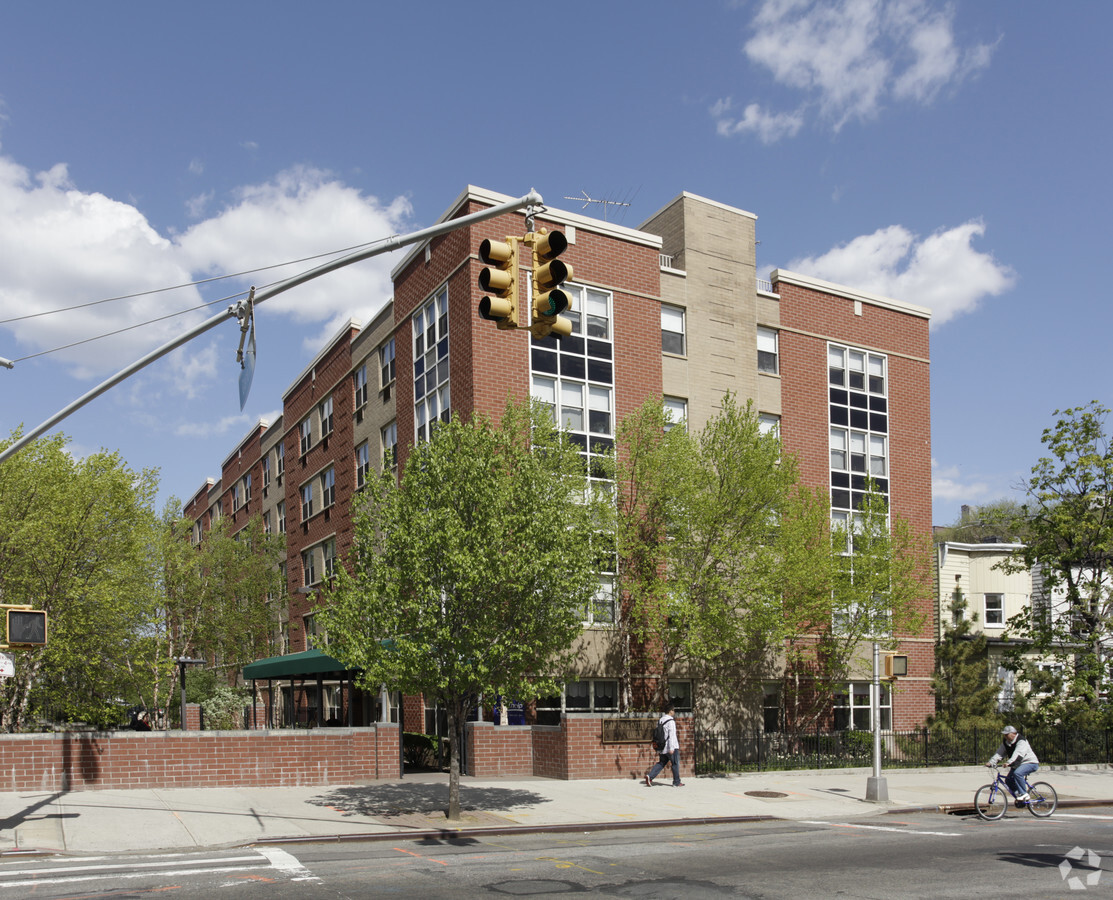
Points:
[(883, 828)]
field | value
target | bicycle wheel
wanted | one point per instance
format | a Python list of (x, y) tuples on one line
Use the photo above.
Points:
[(990, 802), (1042, 799)]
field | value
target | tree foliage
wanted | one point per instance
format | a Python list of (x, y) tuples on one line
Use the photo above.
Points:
[(1002, 521), (74, 541), (965, 695), (470, 574), (1069, 548)]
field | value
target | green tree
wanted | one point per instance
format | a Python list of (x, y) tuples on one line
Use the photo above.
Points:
[(724, 555), (1069, 548), (470, 574), (1002, 520), (965, 695), (74, 541), (880, 590), (217, 600)]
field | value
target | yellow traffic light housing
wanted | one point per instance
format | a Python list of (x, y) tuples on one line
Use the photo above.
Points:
[(500, 279), (896, 666), (549, 273), (26, 627)]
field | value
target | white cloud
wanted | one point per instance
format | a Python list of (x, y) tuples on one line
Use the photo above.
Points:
[(206, 429), (769, 127), (849, 57), (947, 484), (942, 272), (61, 246)]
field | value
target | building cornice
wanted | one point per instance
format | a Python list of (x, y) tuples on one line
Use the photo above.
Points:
[(783, 276)]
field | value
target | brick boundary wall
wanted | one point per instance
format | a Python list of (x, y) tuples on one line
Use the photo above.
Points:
[(569, 751), (87, 761)]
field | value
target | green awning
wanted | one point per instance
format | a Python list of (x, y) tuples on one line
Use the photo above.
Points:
[(294, 665)]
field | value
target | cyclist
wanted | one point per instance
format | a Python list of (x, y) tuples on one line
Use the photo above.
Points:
[(1020, 759)]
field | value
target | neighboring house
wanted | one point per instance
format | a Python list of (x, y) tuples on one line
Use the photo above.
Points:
[(673, 308)]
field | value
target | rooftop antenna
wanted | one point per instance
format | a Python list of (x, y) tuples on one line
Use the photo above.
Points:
[(604, 203)]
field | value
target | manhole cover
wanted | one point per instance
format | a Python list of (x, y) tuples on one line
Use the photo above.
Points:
[(771, 795)]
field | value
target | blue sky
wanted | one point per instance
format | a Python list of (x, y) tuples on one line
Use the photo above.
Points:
[(954, 155)]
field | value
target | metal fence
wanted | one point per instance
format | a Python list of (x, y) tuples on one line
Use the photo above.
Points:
[(748, 751)]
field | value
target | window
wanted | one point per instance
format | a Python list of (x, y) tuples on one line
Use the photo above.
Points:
[(858, 413), (771, 708), (268, 523), (307, 501), (878, 456), (266, 471), (767, 423), (767, 351), (247, 488), (680, 695), (574, 377), (235, 496), (281, 509), (676, 412), (359, 382), (313, 641), (308, 566), (328, 487), (601, 609), (329, 554), (280, 455), (363, 464), (305, 433), (672, 330), (590, 695), (432, 397), (389, 439), (386, 363), (324, 411), (851, 708), (994, 610), (838, 449)]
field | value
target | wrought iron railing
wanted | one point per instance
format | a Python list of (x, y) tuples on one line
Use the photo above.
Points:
[(742, 751)]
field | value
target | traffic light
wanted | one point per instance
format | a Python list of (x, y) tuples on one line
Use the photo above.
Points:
[(500, 278), (896, 666), (26, 627), (549, 273)]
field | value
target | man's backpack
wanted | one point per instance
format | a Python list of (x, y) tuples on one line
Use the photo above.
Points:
[(659, 736)]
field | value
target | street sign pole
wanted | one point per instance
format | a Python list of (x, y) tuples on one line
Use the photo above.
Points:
[(877, 790)]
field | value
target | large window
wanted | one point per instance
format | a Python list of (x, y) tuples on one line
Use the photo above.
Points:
[(589, 695), (363, 464), (309, 566), (328, 487), (676, 412), (307, 501), (386, 363), (771, 714), (432, 400), (673, 335), (851, 708), (574, 376), (858, 412), (305, 435), (388, 437), (359, 382), (324, 412)]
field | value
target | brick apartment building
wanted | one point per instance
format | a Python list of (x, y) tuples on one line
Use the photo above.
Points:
[(673, 309)]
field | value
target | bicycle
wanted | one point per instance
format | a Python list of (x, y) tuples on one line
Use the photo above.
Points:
[(991, 800)]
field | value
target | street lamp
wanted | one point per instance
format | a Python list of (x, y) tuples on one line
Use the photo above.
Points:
[(184, 661)]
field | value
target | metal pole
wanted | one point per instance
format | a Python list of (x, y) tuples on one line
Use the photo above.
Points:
[(877, 789), (531, 199)]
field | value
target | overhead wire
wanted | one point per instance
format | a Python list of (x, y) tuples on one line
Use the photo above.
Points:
[(180, 312)]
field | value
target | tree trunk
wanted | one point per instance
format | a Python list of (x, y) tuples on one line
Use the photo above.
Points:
[(456, 726)]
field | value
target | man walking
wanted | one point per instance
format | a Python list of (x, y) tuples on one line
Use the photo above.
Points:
[(669, 752)]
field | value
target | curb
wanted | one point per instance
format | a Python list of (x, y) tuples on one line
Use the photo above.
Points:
[(953, 808)]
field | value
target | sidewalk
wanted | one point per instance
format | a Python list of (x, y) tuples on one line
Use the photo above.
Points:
[(146, 820)]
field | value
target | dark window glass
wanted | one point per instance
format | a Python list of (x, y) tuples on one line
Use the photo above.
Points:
[(544, 361), (858, 381), (572, 344), (859, 401), (839, 415), (599, 422), (859, 418), (419, 386), (857, 462), (879, 422), (671, 342), (840, 499), (840, 479), (599, 349), (879, 404), (837, 376), (550, 341), (419, 366), (580, 440), (858, 497), (597, 370), (602, 445), (882, 484), (858, 482), (839, 396), (572, 366), (877, 384), (442, 349)]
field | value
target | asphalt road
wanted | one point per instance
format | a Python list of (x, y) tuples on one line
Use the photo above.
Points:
[(921, 855)]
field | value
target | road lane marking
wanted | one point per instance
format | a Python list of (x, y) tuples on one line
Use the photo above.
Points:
[(287, 864), (883, 828)]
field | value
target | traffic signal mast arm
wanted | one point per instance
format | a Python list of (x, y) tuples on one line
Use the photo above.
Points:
[(531, 200)]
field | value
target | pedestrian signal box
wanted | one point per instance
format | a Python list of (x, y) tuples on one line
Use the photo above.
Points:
[(26, 627), (896, 666)]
